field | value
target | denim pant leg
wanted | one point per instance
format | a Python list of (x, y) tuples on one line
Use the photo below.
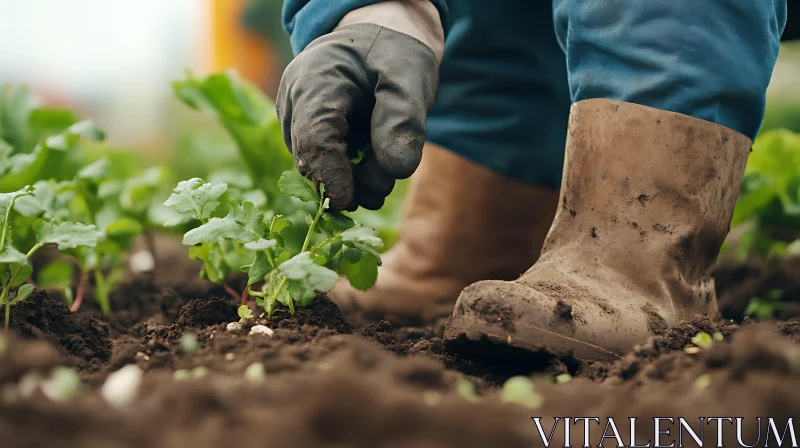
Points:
[(710, 59), (503, 98)]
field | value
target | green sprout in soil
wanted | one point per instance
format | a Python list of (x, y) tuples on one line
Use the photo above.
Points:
[(519, 389), (189, 343), (279, 272), (15, 267), (702, 382), (467, 391), (245, 313), (766, 307), (705, 340)]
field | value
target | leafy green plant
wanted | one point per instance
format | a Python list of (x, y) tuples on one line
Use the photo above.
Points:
[(290, 262), (87, 199), (250, 119), (15, 267), (765, 307), (248, 116), (36, 142), (768, 207)]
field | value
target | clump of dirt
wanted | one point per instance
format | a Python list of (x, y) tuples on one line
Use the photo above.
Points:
[(322, 312), (200, 313), (18, 357), (82, 338)]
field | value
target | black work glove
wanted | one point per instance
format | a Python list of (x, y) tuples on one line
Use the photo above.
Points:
[(362, 85)]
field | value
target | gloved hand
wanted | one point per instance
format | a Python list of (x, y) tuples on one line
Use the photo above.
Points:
[(362, 85)]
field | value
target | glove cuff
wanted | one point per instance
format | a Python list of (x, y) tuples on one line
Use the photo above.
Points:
[(416, 18)]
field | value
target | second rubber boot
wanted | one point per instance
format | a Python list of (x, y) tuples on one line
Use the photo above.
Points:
[(462, 223), (646, 202)]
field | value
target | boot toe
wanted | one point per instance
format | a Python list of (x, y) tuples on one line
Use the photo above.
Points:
[(516, 315)]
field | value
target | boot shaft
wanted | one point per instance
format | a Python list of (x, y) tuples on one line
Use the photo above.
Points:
[(648, 193)]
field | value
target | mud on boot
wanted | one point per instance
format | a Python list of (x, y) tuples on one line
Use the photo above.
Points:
[(646, 200)]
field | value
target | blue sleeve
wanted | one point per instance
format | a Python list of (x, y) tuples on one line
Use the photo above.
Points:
[(306, 20)]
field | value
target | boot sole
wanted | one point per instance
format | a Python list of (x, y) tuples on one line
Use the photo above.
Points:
[(463, 337)]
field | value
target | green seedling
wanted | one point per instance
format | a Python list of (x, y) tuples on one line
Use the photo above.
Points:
[(702, 382), (189, 343), (519, 389), (15, 267), (766, 307), (86, 199), (245, 313), (290, 266), (703, 340), (467, 391), (563, 378)]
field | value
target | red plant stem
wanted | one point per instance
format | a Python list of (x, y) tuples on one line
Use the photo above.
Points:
[(81, 290), (232, 292), (245, 295)]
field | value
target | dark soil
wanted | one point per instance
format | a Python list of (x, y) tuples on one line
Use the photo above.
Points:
[(329, 385), (738, 282), (82, 339)]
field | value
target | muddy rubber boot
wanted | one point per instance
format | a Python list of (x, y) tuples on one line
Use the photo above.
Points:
[(646, 202), (462, 223)]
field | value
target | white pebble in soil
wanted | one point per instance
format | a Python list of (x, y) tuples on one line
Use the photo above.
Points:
[(261, 329), (142, 261), (234, 327), (122, 386)]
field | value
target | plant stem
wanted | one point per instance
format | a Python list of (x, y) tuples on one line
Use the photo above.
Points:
[(6, 227), (101, 292), (245, 295), (313, 224), (76, 305), (4, 300), (232, 292), (35, 247), (274, 298)]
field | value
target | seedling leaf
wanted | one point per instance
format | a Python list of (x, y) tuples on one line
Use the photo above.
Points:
[(703, 340), (244, 313), (23, 293), (301, 268), (197, 197), (519, 389), (217, 230), (294, 184), (466, 389), (67, 235), (363, 273)]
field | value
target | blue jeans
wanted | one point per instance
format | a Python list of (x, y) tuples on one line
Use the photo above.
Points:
[(511, 68)]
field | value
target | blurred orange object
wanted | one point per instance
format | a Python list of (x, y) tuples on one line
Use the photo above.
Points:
[(233, 46)]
